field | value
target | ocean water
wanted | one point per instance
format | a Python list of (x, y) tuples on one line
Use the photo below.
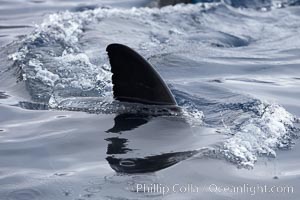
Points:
[(233, 67)]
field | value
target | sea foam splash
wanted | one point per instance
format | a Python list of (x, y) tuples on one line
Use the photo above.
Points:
[(273, 128), (254, 127)]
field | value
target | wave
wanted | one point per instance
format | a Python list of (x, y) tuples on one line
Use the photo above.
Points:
[(51, 59), (254, 127), (253, 4), (62, 72)]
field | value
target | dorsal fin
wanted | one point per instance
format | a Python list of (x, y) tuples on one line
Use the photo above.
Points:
[(134, 79)]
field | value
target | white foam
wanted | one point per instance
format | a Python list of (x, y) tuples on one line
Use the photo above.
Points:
[(260, 135), (42, 73)]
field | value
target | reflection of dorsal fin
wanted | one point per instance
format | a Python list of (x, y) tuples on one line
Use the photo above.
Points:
[(134, 79)]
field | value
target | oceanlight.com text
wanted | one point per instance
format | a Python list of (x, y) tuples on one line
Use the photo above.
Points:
[(213, 188)]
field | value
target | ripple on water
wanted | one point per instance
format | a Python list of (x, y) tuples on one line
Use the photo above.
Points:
[(24, 194), (93, 189), (61, 116), (3, 95), (67, 173)]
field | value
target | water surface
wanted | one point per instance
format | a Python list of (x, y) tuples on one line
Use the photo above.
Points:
[(232, 67)]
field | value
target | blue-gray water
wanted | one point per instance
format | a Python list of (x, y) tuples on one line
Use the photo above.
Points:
[(233, 67)]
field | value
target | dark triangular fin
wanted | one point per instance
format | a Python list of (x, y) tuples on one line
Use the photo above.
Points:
[(134, 79)]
